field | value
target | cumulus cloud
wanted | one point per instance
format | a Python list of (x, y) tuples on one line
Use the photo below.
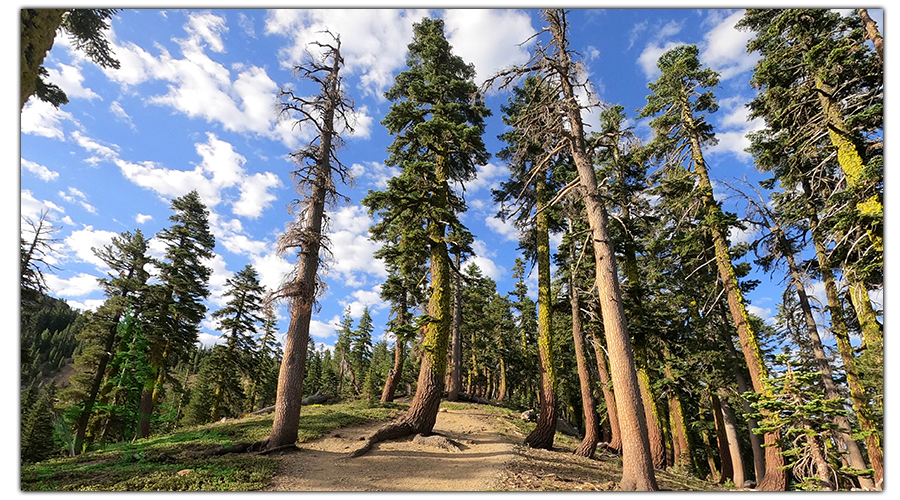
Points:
[(469, 31), (503, 228), (733, 128), (724, 48), (43, 119), (77, 286), (323, 330), (650, 55), (71, 81), (358, 300), (373, 41), (79, 245), (142, 218), (43, 173), (32, 207)]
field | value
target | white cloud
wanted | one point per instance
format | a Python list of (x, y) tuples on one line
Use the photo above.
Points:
[(272, 269), (763, 313), (32, 207), (373, 42), (77, 286), (487, 176), (142, 218), (504, 228), (44, 173), (724, 48), (733, 128), (70, 80), (86, 305), (650, 55), (42, 119), (217, 280), (81, 242), (469, 31), (207, 27), (377, 173), (321, 330), (117, 110), (358, 300), (737, 235)]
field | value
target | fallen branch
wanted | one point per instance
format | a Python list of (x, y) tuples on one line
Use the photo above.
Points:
[(314, 399), (471, 398)]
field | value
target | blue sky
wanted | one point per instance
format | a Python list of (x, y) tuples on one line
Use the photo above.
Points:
[(192, 107)]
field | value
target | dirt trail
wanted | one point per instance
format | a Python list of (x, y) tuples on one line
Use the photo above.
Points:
[(401, 465)]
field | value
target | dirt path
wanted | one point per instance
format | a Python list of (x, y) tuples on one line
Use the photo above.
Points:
[(401, 465)]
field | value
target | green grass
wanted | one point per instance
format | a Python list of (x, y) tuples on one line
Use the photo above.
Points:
[(154, 464)]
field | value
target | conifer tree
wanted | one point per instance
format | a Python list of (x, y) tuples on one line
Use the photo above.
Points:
[(175, 305), (527, 193), (681, 101), (361, 345), (237, 322), (437, 122), (126, 257), (553, 61), (38, 29)]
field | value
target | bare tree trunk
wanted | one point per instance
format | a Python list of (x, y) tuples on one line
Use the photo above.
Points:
[(591, 427), (722, 439), (308, 237), (637, 463), (615, 440), (680, 437), (731, 435), (872, 33)]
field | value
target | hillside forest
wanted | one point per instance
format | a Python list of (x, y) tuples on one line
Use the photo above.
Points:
[(640, 336)]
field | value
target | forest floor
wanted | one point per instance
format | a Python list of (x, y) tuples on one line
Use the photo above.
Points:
[(491, 458)]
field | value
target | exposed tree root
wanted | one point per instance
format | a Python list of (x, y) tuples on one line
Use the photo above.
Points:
[(394, 430)]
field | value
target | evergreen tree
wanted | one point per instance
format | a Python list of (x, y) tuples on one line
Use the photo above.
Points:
[(175, 305), (38, 29), (437, 120), (237, 321), (361, 345), (37, 428), (126, 257)]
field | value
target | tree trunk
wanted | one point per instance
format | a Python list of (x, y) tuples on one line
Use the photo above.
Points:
[(289, 391), (456, 351), (847, 444), (872, 33), (591, 427), (841, 336), (393, 379), (722, 440), (731, 435), (651, 412), (615, 440), (680, 437), (81, 425), (38, 30), (637, 463), (543, 434)]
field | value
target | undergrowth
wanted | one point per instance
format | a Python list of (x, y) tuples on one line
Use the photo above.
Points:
[(174, 462)]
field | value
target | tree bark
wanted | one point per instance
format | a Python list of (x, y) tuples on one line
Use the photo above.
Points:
[(456, 350), (38, 30), (680, 437), (872, 33), (637, 463), (543, 434), (775, 478), (722, 440), (591, 426), (615, 440), (841, 336), (731, 435)]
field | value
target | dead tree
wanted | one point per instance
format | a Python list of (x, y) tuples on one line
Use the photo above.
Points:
[(328, 112)]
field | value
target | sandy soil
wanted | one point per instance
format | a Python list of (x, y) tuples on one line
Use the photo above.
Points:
[(401, 465)]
